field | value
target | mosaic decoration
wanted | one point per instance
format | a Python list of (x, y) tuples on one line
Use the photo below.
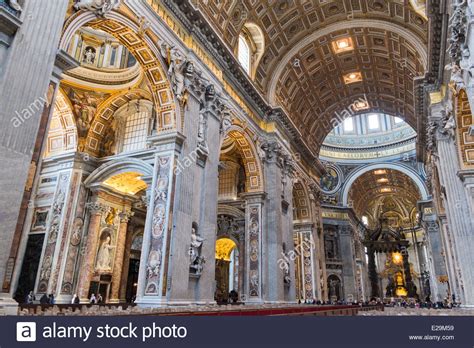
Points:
[(331, 181), (254, 250), (53, 232), (158, 228)]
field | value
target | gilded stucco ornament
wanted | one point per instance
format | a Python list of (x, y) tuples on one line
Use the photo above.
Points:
[(99, 7)]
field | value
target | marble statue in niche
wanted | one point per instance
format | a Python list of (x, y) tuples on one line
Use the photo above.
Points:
[(104, 256), (89, 56), (196, 260)]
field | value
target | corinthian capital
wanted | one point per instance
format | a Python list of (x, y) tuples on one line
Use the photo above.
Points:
[(97, 208), (125, 216)]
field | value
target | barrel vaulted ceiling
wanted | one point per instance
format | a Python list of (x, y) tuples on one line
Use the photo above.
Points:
[(302, 68), (382, 190)]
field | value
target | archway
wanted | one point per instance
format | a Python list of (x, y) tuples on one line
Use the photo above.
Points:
[(118, 191), (141, 45), (131, 275), (240, 177), (227, 256), (334, 287), (62, 132), (411, 173), (306, 262)]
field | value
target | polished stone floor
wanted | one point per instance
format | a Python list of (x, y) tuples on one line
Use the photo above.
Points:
[(400, 311)]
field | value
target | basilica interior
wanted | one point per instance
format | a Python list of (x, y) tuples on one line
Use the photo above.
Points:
[(184, 152)]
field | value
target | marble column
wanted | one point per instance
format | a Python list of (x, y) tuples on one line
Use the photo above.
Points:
[(408, 280), (438, 270), (373, 277), (119, 256), (348, 262), (126, 261), (305, 250), (278, 223), (153, 273), (319, 264), (24, 81), (96, 210), (458, 212)]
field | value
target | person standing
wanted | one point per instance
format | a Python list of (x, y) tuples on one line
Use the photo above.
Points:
[(75, 299), (93, 299), (30, 298), (44, 300)]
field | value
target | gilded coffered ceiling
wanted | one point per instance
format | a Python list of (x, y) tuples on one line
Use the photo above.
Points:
[(304, 70), (384, 191)]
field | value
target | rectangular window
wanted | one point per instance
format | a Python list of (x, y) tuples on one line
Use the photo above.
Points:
[(244, 54), (135, 132), (348, 125), (374, 122), (113, 55)]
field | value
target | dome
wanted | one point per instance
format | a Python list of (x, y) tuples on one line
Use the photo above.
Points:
[(367, 137)]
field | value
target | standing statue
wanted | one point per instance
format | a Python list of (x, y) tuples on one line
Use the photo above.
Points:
[(180, 71), (104, 258), (202, 129), (196, 260), (15, 5), (99, 7), (109, 141), (89, 56), (226, 122)]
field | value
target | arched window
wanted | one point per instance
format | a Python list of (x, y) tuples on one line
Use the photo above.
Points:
[(244, 53), (250, 48)]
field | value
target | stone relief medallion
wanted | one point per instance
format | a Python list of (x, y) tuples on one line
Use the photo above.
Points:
[(77, 232), (66, 288), (331, 181), (158, 220), (254, 283), (254, 250)]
